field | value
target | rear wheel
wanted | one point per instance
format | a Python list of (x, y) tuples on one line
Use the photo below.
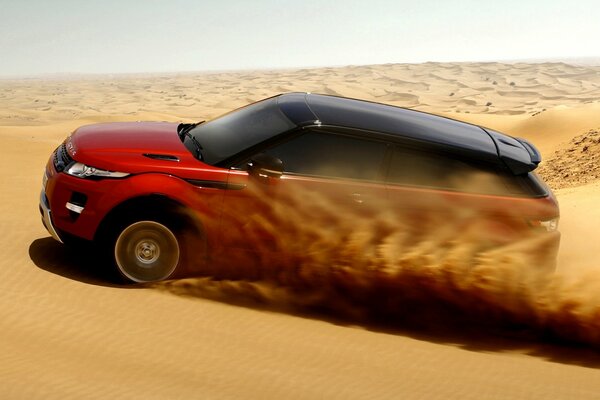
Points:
[(147, 251)]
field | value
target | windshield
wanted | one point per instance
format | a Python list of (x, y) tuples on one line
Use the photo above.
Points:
[(234, 132)]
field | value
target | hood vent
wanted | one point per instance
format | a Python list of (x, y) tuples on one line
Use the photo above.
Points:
[(163, 157)]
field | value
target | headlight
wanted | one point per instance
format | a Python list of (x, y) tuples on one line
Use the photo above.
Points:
[(83, 171)]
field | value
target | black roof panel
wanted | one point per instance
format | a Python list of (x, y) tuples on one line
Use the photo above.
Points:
[(305, 109), (294, 106), (366, 115)]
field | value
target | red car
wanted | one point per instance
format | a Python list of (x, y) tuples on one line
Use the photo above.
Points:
[(167, 199)]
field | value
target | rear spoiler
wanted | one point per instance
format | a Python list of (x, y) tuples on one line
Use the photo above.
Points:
[(519, 155)]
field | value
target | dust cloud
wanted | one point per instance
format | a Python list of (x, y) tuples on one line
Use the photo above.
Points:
[(442, 263)]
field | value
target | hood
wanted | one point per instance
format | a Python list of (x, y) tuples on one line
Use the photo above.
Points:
[(132, 147), (127, 136)]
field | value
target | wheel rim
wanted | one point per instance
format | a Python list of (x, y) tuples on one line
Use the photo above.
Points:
[(147, 251)]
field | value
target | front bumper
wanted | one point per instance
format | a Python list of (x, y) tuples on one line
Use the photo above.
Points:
[(47, 217), (63, 200)]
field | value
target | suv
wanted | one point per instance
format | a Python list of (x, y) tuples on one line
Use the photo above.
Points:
[(167, 199)]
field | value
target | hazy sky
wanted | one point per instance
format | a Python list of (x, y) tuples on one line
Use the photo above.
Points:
[(62, 36)]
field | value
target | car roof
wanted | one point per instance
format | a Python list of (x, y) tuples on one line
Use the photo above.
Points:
[(305, 109), (317, 109)]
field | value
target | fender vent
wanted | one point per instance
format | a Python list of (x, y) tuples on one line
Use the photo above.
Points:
[(164, 157)]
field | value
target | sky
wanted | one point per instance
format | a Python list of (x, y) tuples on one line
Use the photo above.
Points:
[(126, 36)]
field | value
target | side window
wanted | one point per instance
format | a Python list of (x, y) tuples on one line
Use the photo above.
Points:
[(331, 155), (524, 185), (429, 169)]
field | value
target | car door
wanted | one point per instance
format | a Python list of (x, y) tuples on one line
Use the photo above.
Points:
[(330, 183), (415, 179), (432, 191)]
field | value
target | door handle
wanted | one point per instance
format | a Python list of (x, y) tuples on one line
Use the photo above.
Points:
[(357, 198)]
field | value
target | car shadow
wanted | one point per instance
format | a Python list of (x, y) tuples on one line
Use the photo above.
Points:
[(80, 263), (437, 326)]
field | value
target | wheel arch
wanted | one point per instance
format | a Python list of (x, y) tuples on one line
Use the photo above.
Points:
[(155, 204)]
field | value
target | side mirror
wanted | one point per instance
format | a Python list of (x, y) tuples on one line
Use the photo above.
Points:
[(265, 166)]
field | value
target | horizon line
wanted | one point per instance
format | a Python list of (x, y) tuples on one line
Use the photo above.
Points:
[(589, 61)]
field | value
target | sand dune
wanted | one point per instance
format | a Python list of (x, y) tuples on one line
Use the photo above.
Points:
[(65, 332), (438, 87), (575, 164)]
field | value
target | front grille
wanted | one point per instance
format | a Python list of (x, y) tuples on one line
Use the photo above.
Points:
[(62, 158)]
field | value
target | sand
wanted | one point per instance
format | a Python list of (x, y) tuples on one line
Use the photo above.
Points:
[(67, 333)]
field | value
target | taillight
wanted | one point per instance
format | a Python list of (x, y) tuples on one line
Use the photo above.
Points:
[(548, 225)]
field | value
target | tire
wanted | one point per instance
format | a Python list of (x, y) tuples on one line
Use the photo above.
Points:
[(147, 251)]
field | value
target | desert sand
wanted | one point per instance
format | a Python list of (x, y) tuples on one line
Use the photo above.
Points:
[(67, 333)]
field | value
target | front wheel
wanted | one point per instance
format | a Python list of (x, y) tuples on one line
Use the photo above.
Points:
[(147, 251)]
